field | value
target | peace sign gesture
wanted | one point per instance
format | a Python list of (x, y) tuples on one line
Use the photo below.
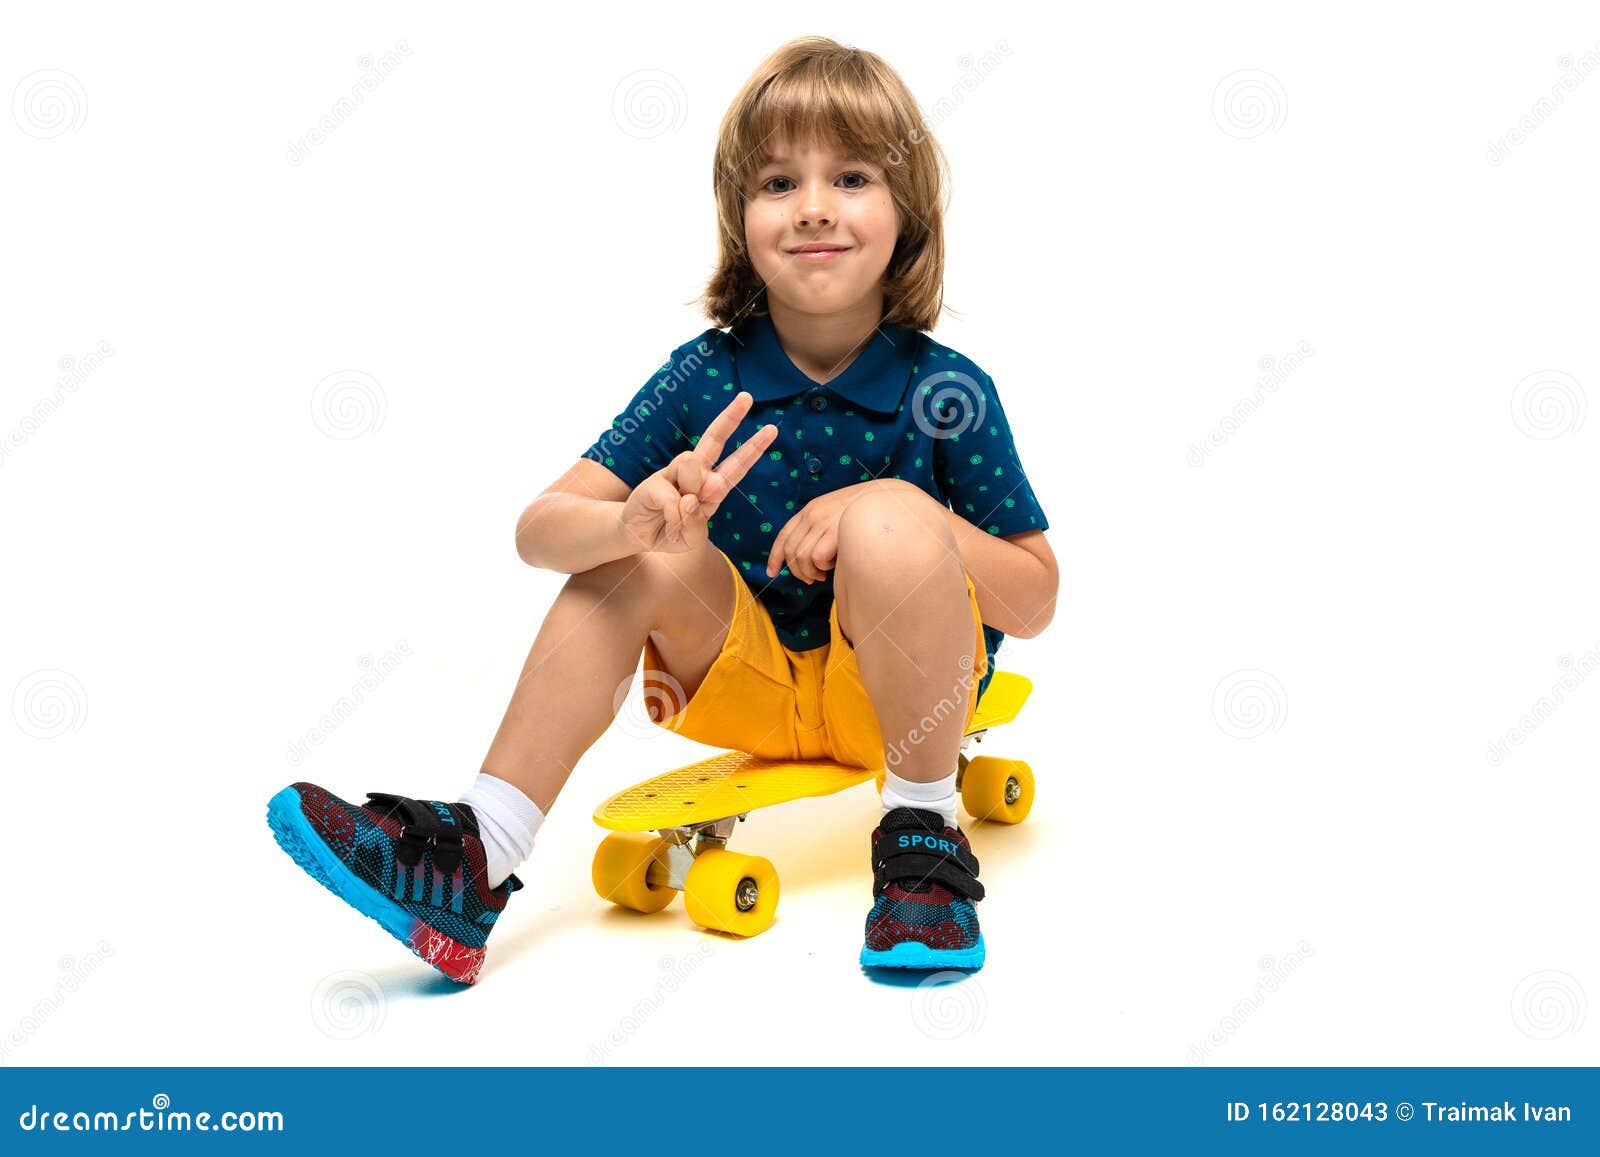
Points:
[(669, 511)]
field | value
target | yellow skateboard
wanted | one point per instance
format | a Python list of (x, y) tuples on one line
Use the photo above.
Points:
[(692, 812)]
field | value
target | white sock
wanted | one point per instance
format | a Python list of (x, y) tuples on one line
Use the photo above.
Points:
[(938, 796), (507, 823)]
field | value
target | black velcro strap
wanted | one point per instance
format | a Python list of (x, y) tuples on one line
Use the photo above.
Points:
[(919, 858), (425, 824)]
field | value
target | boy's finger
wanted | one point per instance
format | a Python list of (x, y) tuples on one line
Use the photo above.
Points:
[(775, 556), (712, 492), (736, 465), (689, 474), (709, 448)]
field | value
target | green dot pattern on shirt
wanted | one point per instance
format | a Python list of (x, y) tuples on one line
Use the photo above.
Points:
[(776, 455), (869, 435), (844, 459), (828, 430), (711, 371), (976, 459)]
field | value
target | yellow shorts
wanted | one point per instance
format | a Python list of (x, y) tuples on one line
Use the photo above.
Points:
[(762, 698)]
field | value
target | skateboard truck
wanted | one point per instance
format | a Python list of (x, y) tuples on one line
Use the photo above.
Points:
[(683, 844)]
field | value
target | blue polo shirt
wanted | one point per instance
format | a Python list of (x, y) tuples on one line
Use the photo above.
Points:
[(906, 407)]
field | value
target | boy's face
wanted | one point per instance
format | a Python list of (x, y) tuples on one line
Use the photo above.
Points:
[(815, 194)]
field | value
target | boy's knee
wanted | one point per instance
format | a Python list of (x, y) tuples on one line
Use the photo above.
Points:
[(899, 524), (648, 577)]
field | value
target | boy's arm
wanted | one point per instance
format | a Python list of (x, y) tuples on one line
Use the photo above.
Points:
[(576, 524), (1016, 578)]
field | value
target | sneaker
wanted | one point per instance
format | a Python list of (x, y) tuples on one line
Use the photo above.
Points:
[(417, 868), (924, 883)]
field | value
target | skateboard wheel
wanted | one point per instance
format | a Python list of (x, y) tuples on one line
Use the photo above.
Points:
[(621, 871), (727, 892), (997, 790)]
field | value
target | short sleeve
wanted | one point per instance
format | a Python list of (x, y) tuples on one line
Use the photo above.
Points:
[(977, 467), (647, 434)]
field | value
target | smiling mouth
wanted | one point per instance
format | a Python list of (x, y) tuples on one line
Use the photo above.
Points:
[(818, 256)]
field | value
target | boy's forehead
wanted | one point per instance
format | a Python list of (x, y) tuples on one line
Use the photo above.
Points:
[(779, 150)]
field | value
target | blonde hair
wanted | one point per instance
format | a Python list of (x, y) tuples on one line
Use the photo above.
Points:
[(817, 91)]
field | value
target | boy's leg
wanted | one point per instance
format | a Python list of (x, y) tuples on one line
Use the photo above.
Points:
[(437, 875), (902, 602), (590, 643)]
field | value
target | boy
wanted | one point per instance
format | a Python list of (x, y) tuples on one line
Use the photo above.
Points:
[(814, 524)]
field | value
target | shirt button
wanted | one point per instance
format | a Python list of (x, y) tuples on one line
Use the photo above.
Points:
[(817, 402), (814, 465)]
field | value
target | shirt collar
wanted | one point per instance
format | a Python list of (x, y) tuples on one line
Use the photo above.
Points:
[(876, 380)]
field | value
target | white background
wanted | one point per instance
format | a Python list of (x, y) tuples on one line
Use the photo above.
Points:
[(1268, 827)]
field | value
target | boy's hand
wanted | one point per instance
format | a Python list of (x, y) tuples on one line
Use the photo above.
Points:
[(809, 542), (669, 511)]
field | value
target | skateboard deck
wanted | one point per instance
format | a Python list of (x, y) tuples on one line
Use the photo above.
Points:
[(734, 783)]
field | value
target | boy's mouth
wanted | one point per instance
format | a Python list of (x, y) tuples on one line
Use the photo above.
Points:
[(819, 252)]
